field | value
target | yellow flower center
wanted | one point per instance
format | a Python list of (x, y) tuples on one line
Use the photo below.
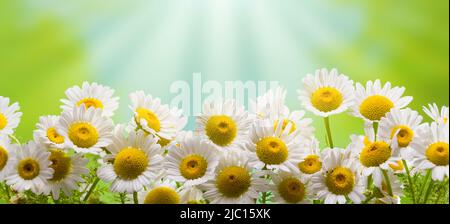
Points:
[(375, 107), (3, 157), (271, 150), (221, 130), (375, 154), (28, 168), (292, 190), (326, 99), (437, 153), (285, 123), (3, 121), (130, 163), (151, 118), (83, 134), (90, 102), (397, 166), (61, 164), (162, 195), (54, 137), (233, 181), (404, 135), (193, 167), (340, 181), (311, 165)]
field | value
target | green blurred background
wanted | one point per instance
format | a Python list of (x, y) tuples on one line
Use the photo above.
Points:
[(47, 46)]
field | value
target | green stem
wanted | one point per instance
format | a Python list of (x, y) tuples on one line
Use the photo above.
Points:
[(135, 198), (15, 139), (388, 182), (425, 184), (375, 128), (91, 189), (427, 194), (370, 197), (411, 185), (327, 127)]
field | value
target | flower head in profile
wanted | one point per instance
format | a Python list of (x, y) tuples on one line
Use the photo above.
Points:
[(91, 95), (439, 116), (9, 116)]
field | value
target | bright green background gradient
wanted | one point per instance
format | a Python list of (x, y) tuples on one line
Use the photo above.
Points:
[(47, 46)]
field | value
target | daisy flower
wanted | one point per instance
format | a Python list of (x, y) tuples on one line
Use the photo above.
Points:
[(91, 95), (86, 131), (339, 179), (224, 123), (31, 169), (191, 195), (289, 188), (137, 160), (153, 117), (373, 102), (162, 192), (271, 104), (192, 162), (273, 147), (311, 158), (326, 93), (432, 151), (401, 126), (47, 133), (234, 181), (438, 116), (9, 116), (68, 170), (386, 197), (7, 157), (374, 155)]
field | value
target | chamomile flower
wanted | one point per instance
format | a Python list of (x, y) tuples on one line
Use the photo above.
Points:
[(326, 93), (7, 156), (374, 155), (384, 195), (162, 192), (192, 162), (191, 195), (438, 116), (91, 95), (374, 101), (9, 116), (269, 105), (86, 130), (224, 124), (47, 133), (31, 169), (311, 162), (155, 118), (339, 179), (274, 147), (137, 160), (67, 173), (401, 126), (289, 188), (234, 181), (433, 151)]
